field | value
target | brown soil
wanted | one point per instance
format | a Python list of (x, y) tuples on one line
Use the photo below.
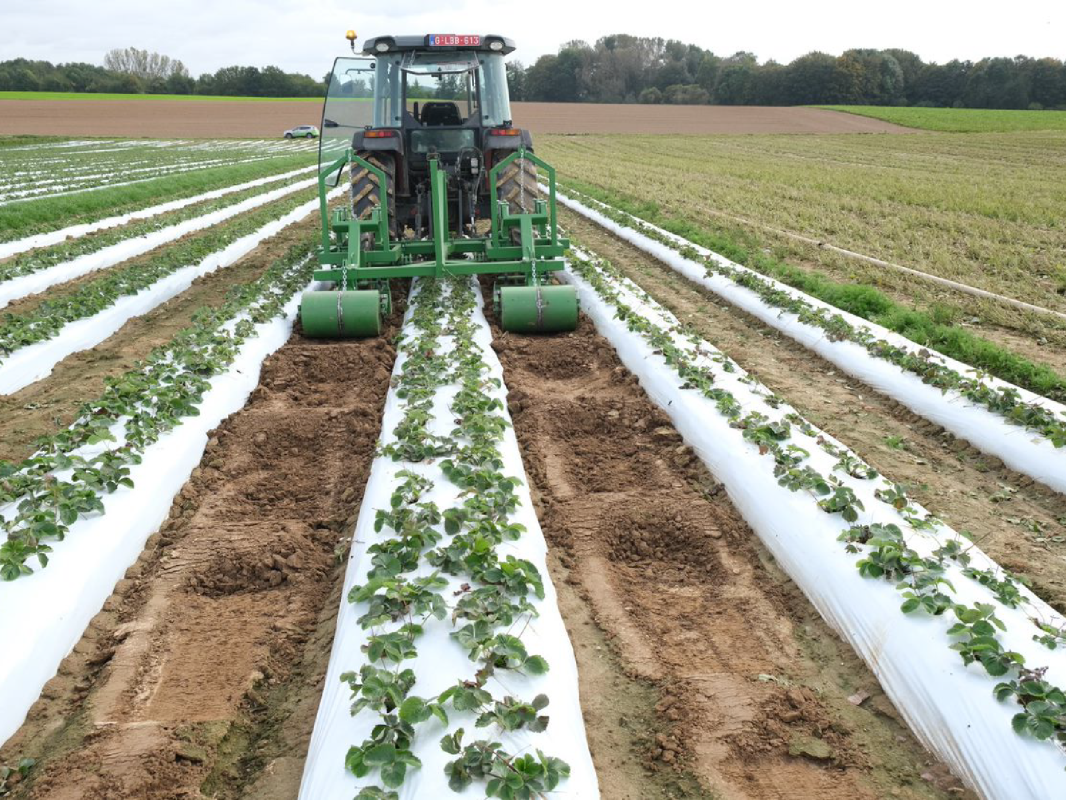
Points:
[(202, 119), (706, 673), (50, 404), (1014, 519), (202, 674)]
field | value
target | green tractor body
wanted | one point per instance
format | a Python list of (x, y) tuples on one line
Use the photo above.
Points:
[(448, 189)]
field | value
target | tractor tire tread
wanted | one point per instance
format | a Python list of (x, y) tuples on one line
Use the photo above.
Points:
[(517, 186), (365, 192)]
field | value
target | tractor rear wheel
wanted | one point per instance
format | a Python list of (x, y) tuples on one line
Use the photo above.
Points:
[(366, 194), (517, 185)]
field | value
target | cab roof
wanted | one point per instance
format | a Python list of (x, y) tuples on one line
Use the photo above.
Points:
[(410, 43)]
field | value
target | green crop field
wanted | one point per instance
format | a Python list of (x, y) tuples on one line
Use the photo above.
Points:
[(981, 209), (962, 120)]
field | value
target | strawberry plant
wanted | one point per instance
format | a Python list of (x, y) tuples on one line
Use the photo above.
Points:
[(378, 689), (388, 750), (842, 501), (895, 496), (506, 776), (1005, 588), (1044, 706), (977, 626), (69, 249)]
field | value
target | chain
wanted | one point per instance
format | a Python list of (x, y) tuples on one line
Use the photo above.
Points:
[(521, 182)]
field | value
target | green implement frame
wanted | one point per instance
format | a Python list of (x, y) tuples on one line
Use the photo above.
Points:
[(359, 257)]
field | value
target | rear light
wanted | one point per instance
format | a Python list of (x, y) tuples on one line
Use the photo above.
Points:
[(505, 132), (379, 134)]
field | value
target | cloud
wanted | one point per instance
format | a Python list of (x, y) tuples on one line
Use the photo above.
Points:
[(305, 35)]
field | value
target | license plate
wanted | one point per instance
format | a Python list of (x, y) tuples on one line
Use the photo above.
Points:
[(453, 40)]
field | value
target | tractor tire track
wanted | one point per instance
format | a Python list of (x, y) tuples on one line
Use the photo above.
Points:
[(202, 674), (1018, 522), (704, 671)]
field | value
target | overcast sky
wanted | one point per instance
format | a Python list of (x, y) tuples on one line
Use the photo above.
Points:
[(305, 35)]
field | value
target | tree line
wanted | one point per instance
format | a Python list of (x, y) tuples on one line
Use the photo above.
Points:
[(133, 71), (621, 69), (633, 69)]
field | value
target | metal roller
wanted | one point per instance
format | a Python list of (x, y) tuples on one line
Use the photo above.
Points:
[(341, 315), (538, 309)]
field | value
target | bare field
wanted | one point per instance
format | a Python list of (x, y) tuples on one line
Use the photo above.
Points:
[(192, 118)]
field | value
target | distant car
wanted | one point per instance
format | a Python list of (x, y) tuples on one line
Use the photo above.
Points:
[(302, 132)]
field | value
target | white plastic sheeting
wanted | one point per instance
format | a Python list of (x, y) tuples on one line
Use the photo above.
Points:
[(949, 706), (8, 249), (120, 251), (1021, 449), (36, 361), (441, 662), (43, 615), (164, 171)]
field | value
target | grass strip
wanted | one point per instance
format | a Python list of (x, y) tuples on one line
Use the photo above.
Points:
[(55, 486), (962, 120), (44, 257), (927, 328), (48, 317), (49, 214)]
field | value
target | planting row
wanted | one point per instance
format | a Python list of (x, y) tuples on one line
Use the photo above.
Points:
[(32, 342), (36, 270), (891, 578), (118, 179), (43, 216), (33, 186), (52, 248), (94, 492), (1025, 430), (451, 666), (54, 162), (89, 164)]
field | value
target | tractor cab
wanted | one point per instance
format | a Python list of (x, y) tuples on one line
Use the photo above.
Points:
[(408, 98)]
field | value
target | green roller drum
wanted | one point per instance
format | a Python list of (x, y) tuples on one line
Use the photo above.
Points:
[(341, 315), (543, 309)]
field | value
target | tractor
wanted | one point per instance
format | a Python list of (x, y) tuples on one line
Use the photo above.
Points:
[(441, 183)]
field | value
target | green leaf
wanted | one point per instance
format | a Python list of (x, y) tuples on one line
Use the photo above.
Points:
[(413, 710), (393, 774), (380, 754), (536, 665), (452, 743)]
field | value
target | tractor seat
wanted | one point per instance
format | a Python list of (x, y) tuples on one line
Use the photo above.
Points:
[(441, 114)]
